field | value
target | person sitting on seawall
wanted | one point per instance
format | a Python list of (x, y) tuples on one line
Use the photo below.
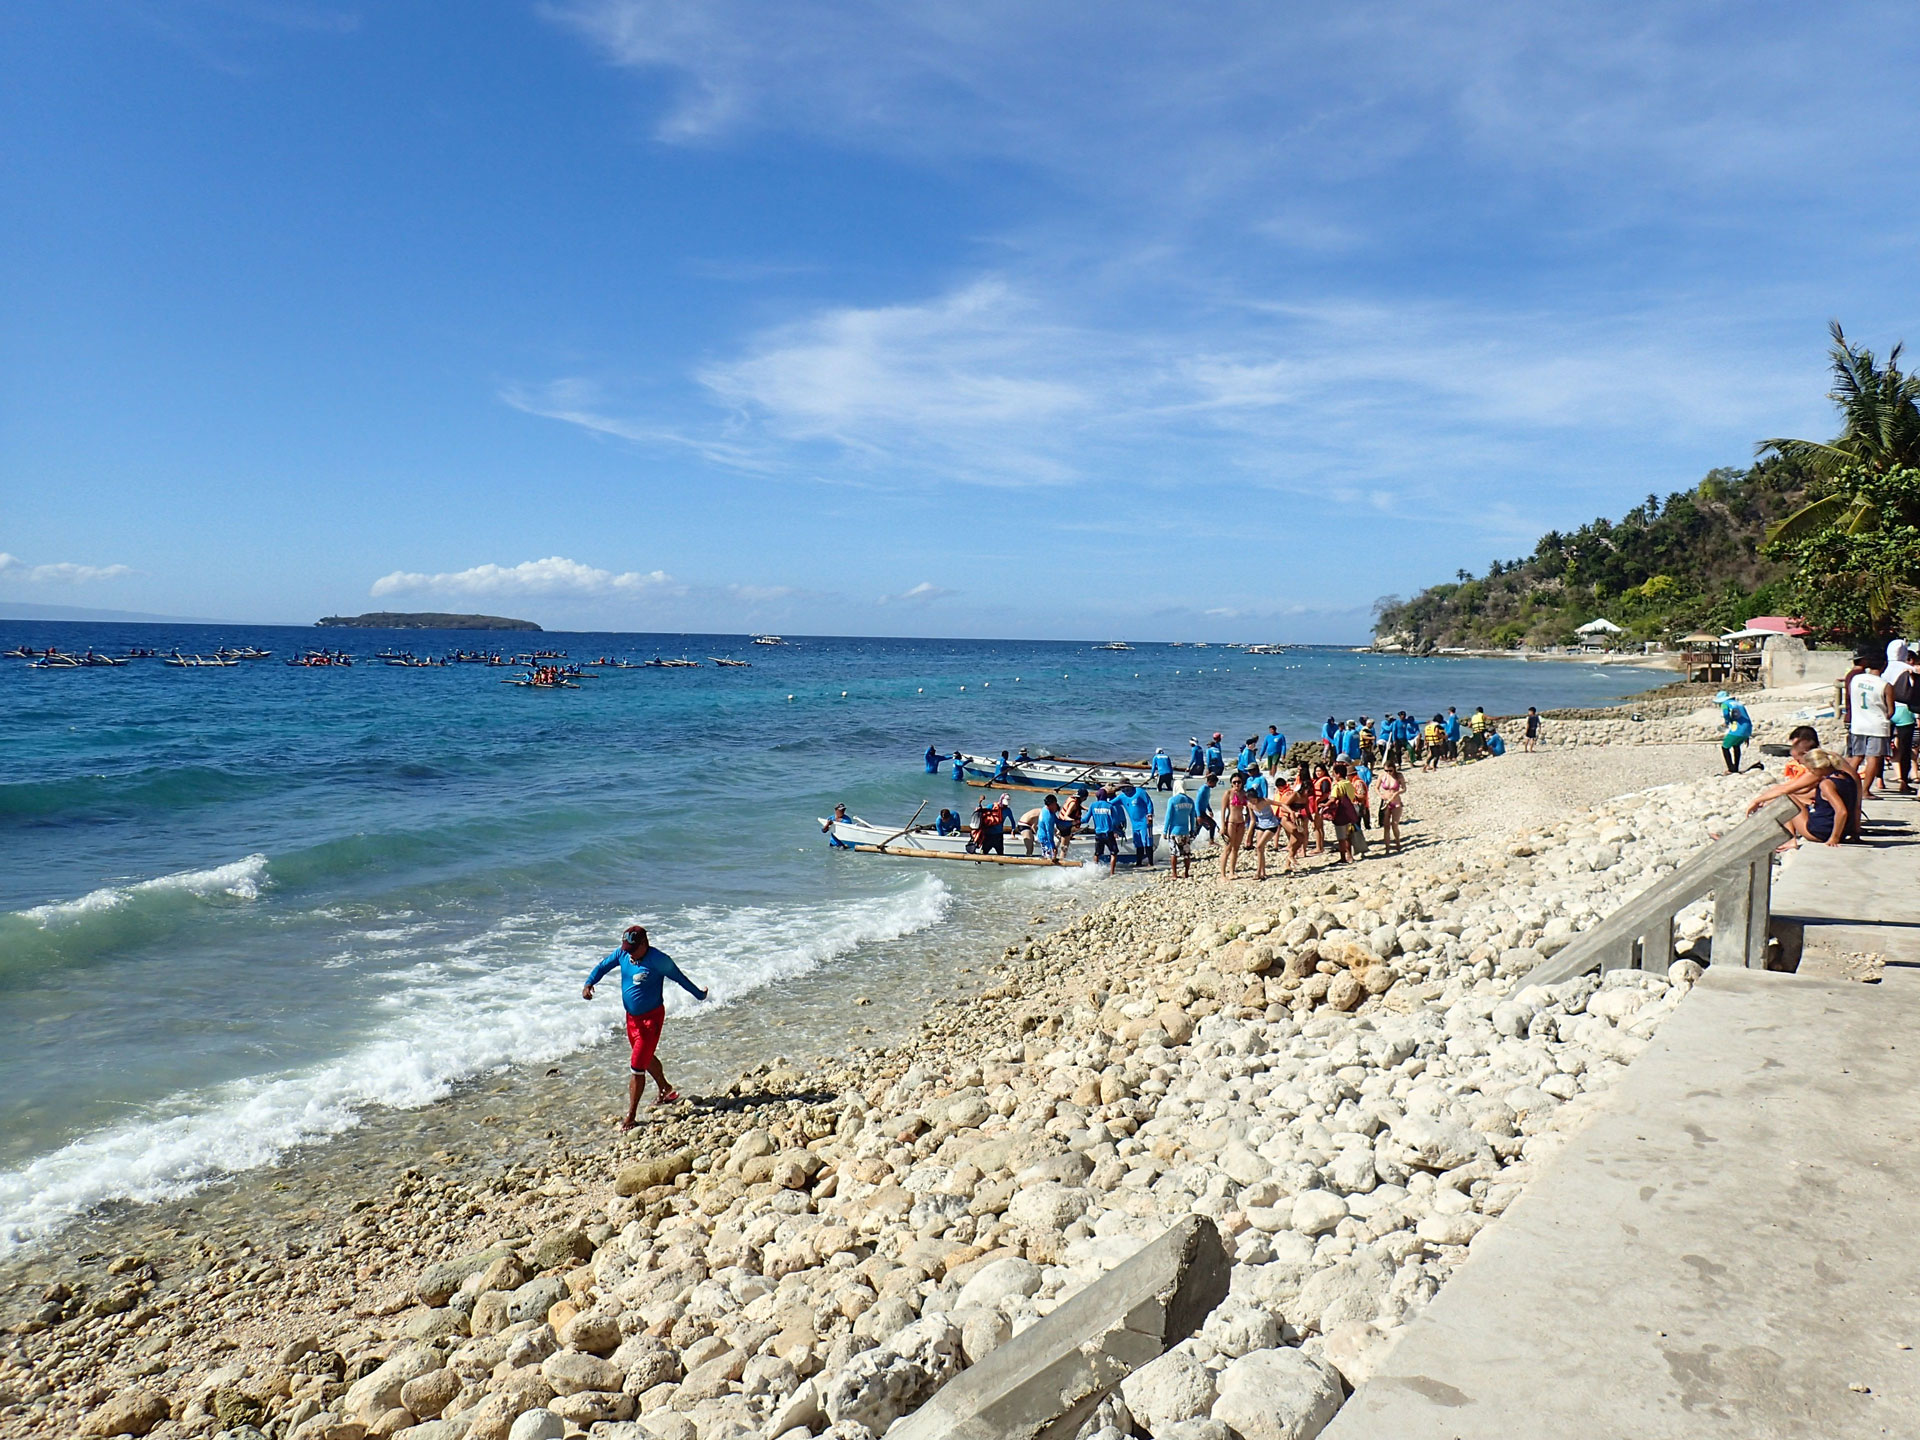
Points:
[(1162, 767), (1739, 730), (1796, 780), (1836, 801)]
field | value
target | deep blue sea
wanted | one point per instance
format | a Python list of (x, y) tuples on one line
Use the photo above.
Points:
[(242, 908)]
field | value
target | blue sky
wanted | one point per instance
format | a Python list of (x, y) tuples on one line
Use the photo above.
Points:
[(1211, 321)]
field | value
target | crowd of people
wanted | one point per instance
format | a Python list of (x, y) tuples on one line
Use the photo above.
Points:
[(1264, 800)]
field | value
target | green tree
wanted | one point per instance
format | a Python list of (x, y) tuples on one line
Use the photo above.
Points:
[(1860, 569), (1880, 431)]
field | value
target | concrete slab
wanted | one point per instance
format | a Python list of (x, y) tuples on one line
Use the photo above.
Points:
[(1727, 1250), (1863, 897)]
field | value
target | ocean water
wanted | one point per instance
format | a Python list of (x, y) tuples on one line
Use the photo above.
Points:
[(245, 910)]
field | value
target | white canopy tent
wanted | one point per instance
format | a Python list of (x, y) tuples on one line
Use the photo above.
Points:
[(1602, 626)]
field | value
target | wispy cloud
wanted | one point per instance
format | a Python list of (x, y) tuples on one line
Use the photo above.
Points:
[(62, 572), (925, 593), (554, 575)]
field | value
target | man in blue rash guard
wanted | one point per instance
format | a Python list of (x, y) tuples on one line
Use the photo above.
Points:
[(1216, 759), (1203, 811), (1103, 818), (1046, 831), (934, 757), (1182, 820), (1327, 733), (959, 766), (1162, 767), (644, 972), (1139, 807), (1246, 759), (1450, 727), (1000, 770), (1197, 761)]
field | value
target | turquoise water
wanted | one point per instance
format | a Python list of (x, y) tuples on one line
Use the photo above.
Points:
[(240, 908)]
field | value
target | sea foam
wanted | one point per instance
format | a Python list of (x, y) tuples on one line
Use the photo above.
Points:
[(240, 880), (509, 996)]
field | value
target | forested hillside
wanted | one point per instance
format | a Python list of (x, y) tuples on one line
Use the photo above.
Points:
[(1692, 561)]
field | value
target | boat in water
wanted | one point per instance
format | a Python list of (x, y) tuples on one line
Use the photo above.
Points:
[(196, 662), (658, 664), (1049, 772), (1114, 645), (726, 662), (768, 640), (922, 842)]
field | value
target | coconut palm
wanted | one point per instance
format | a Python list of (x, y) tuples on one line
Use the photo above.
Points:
[(1880, 409)]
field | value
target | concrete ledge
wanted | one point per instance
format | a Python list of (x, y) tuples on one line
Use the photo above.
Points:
[(1046, 1380)]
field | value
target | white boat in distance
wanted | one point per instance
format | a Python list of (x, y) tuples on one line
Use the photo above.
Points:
[(768, 640), (1114, 645)]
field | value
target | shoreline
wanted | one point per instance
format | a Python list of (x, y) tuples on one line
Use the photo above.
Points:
[(338, 1275)]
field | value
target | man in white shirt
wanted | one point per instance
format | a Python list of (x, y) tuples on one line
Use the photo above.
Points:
[(1869, 721)]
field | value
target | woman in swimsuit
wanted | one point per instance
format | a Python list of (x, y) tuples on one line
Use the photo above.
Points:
[(1294, 800), (1266, 831), (1392, 786), (1322, 805), (1233, 828)]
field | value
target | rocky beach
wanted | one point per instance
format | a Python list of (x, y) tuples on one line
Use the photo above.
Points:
[(1345, 1068)]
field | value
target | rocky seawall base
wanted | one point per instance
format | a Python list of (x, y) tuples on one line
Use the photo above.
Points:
[(1347, 1071)]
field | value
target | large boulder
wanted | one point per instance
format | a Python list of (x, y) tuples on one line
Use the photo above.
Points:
[(1278, 1395), (656, 1170), (1173, 1388), (878, 1386)]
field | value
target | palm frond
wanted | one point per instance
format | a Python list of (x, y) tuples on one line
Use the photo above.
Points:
[(1810, 519)]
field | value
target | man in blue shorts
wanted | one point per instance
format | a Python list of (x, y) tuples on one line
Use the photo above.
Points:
[(644, 972)]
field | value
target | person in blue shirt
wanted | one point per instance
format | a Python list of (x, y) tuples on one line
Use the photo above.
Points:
[(1327, 733), (1257, 784), (1273, 749), (1203, 811), (1001, 770), (1197, 761), (959, 766), (1216, 758), (833, 838), (1139, 807), (948, 823), (644, 972), (1247, 759), (1181, 823), (1450, 727), (934, 757), (1739, 730), (1103, 818), (1162, 768), (1046, 830)]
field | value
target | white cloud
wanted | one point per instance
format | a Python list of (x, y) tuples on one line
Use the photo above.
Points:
[(925, 593), (554, 575), (63, 572)]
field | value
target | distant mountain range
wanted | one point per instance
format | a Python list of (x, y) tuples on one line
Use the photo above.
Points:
[(24, 610), (424, 620)]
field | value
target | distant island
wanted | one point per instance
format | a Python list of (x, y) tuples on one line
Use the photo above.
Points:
[(423, 620)]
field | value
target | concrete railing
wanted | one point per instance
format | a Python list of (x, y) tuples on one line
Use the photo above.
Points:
[(1737, 870)]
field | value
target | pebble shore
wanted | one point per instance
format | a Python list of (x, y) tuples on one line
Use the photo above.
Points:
[(1345, 1068)]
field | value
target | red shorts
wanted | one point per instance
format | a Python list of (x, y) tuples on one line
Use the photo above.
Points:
[(643, 1032)]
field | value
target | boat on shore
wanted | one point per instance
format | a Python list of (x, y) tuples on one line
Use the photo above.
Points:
[(922, 842)]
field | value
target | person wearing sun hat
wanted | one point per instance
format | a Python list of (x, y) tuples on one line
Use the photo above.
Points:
[(1739, 730)]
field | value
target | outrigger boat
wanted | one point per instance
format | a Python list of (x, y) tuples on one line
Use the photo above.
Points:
[(726, 663), (921, 842), (768, 640), (196, 662), (321, 659), (1048, 772), (535, 682), (658, 664)]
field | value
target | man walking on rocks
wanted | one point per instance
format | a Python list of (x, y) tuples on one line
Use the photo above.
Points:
[(644, 972)]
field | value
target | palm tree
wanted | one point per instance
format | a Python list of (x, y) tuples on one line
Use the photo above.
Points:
[(1880, 409)]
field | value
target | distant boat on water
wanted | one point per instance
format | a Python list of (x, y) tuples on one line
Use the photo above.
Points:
[(768, 640), (1114, 645)]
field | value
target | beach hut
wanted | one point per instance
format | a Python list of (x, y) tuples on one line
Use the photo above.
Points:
[(1593, 635), (1704, 658)]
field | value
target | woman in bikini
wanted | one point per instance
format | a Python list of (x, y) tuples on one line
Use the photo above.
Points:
[(1233, 827), (1391, 786)]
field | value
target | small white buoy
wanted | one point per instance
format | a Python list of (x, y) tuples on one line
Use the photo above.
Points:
[(1016, 679), (963, 687), (789, 699), (843, 694), (986, 684), (921, 691)]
